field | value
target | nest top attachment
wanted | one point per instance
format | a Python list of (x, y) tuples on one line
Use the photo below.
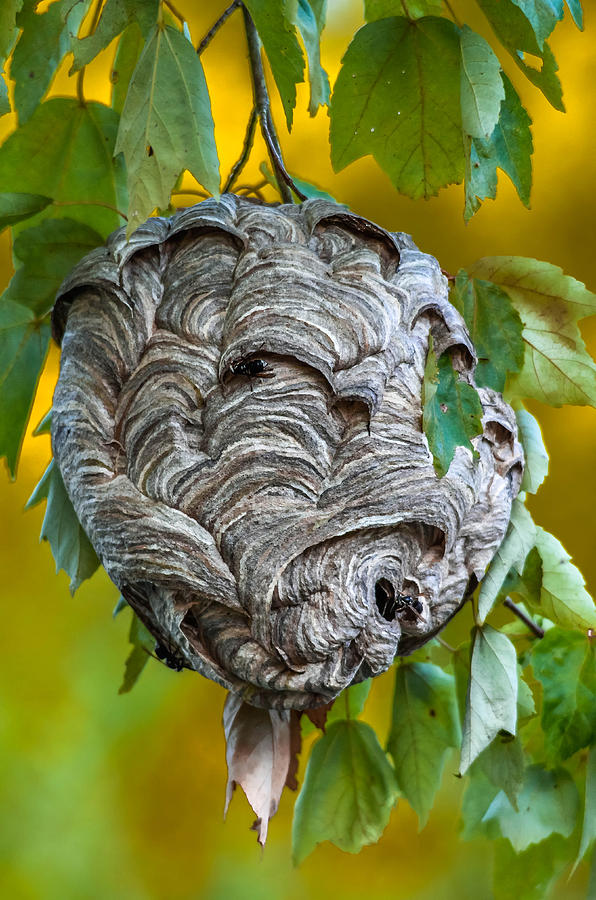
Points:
[(238, 423)]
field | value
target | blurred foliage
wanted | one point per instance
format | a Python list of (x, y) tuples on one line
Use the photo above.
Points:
[(120, 796)]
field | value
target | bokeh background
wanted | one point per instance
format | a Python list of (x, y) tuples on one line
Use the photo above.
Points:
[(107, 796)]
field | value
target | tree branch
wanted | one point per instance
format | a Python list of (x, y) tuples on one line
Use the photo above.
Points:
[(217, 25), (175, 12), (246, 148), (534, 628), (263, 106)]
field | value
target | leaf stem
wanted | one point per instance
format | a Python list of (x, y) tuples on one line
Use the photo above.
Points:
[(534, 628), (246, 189), (217, 25), (89, 203), (263, 106), (249, 138), (452, 12), (175, 12), (445, 644), (192, 193)]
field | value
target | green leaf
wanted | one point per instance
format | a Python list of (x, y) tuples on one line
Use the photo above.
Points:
[(565, 664), (413, 9), (44, 42), (69, 149), (531, 874), (517, 543), (350, 702), (460, 663), (166, 124), (24, 343), (308, 26), (4, 101), (47, 253), (516, 33), (491, 703), (452, 411), (115, 17), (17, 207), (120, 605), (548, 802), (542, 15), (556, 369), (478, 796), (508, 148), (273, 21), (45, 426), (425, 724), (503, 764), (397, 97), (526, 707), (527, 584), (536, 465), (143, 644), (575, 8), (563, 597), (481, 85), (589, 825), (130, 46), (495, 328), (348, 792), (70, 545), (8, 27), (545, 78)]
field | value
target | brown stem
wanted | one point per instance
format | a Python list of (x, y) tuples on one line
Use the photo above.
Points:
[(534, 628), (89, 203), (452, 13), (217, 25), (191, 193), (175, 12), (263, 106), (246, 148)]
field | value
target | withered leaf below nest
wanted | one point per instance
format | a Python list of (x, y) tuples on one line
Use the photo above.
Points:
[(261, 753)]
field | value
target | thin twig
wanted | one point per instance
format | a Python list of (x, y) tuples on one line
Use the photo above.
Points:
[(451, 11), (448, 275), (175, 12), (445, 644), (246, 148), (247, 190), (191, 193), (89, 203), (217, 25), (263, 105), (534, 628)]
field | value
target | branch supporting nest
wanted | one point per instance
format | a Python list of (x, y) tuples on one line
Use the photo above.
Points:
[(534, 628), (217, 25), (263, 107)]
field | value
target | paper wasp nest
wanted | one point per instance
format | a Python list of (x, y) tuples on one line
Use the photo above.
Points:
[(238, 424)]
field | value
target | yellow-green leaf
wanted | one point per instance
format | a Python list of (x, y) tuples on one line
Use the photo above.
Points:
[(397, 97), (557, 368), (166, 124)]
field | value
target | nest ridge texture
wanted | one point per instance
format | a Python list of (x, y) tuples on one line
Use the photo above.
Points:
[(255, 524)]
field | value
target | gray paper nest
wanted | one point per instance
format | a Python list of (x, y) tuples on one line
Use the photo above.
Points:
[(265, 530)]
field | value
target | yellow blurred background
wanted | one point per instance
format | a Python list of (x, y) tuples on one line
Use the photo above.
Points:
[(107, 796)]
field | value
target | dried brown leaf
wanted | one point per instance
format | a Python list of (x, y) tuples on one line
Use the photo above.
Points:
[(259, 748)]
